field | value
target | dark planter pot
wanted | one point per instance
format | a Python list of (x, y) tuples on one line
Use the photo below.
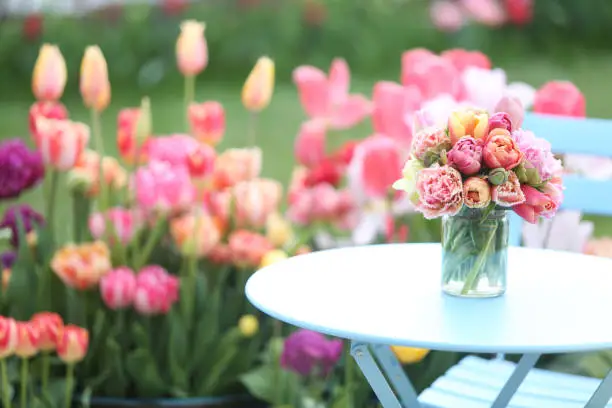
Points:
[(206, 402)]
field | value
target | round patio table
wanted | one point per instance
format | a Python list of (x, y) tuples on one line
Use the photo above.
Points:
[(380, 295)]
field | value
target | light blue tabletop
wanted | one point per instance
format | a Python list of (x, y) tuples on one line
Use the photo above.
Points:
[(555, 301)]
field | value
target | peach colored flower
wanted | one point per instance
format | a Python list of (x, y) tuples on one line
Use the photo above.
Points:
[(95, 86), (599, 247), (88, 168), (235, 165), (431, 139), (221, 254), (509, 193), (538, 204), (126, 222), (468, 123), (440, 191), (248, 248), (466, 155), (501, 151), (430, 73), (259, 85), (82, 266), (197, 233), (72, 344), (61, 142), (560, 98), (191, 48), (255, 200), (207, 121), (50, 74), (8, 336), (50, 325), (28, 339), (327, 96), (45, 109), (476, 192), (310, 143), (393, 103)]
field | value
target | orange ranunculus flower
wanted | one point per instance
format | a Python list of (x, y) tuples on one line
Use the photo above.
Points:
[(191, 48), (195, 232), (95, 86), (61, 142), (235, 165), (8, 336), (259, 85), (28, 339), (87, 170), (207, 121), (50, 325), (255, 200), (50, 74), (82, 266), (72, 344)]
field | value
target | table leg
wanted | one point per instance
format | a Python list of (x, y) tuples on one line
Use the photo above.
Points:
[(377, 373), (525, 365), (603, 393)]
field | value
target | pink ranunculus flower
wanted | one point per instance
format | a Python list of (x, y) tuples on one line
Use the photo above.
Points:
[(125, 222), (156, 291), (380, 163), (466, 155), (327, 97), (500, 120), (430, 139), (537, 203), (501, 151), (163, 187), (513, 107), (447, 16), (310, 143), (463, 59), (430, 73), (509, 193), (392, 104), (538, 154), (173, 149), (118, 288), (255, 200), (476, 192), (440, 191), (560, 98)]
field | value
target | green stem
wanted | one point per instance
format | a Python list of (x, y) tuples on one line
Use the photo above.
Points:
[(23, 399), (151, 242), (46, 366), (96, 129), (252, 129), (52, 192), (277, 334), (69, 384), (475, 271), (192, 270), (6, 393), (189, 97), (349, 365)]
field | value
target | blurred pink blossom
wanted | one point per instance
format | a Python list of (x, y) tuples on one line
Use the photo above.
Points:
[(156, 291), (118, 288), (163, 187), (392, 103), (124, 221), (487, 12), (310, 143), (430, 73), (446, 16)]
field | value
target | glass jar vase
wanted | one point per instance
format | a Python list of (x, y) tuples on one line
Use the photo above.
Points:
[(475, 253)]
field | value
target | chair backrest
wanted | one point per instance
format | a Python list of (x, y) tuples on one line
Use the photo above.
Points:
[(574, 136)]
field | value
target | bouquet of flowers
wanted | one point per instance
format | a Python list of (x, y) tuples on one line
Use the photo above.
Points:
[(470, 172)]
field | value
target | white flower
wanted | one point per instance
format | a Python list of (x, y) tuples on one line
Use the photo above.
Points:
[(565, 232)]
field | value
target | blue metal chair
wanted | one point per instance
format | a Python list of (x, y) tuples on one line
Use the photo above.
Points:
[(475, 382)]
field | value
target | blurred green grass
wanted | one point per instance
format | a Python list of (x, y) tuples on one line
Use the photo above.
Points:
[(279, 123)]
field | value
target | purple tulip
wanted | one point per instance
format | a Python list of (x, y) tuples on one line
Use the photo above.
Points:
[(29, 220), (305, 352), (20, 168), (7, 259)]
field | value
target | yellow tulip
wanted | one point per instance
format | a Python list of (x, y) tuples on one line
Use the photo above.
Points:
[(409, 355), (248, 325), (259, 85), (95, 86), (50, 74)]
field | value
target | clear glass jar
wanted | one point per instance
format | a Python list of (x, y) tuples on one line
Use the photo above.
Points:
[(475, 253)]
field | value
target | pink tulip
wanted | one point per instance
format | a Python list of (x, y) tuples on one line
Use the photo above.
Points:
[(440, 191), (500, 120), (156, 291), (380, 163), (320, 203), (235, 165), (207, 121), (61, 142), (520, 12), (392, 104), (430, 73), (544, 203), (328, 98), (124, 221), (501, 151), (310, 143), (45, 109), (466, 155), (486, 12), (463, 59), (118, 288), (446, 16), (172, 149), (201, 161), (560, 98), (161, 186), (513, 107), (255, 200)]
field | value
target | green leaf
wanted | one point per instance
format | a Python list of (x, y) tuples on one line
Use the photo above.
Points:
[(178, 353), (260, 383), (142, 369), (117, 382), (139, 333)]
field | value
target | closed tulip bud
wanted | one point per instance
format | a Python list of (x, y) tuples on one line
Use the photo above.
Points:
[(498, 176), (207, 121), (8, 336), (259, 86), (50, 326), (143, 122), (95, 86), (248, 325), (72, 344), (28, 339), (191, 48), (50, 74), (61, 142)]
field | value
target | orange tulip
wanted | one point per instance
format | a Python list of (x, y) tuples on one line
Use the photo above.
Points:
[(61, 142), (235, 165), (8, 336), (183, 231), (259, 85), (191, 48), (72, 344), (28, 339), (207, 121), (255, 200), (50, 74), (95, 86), (50, 325), (82, 266), (87, 170)]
